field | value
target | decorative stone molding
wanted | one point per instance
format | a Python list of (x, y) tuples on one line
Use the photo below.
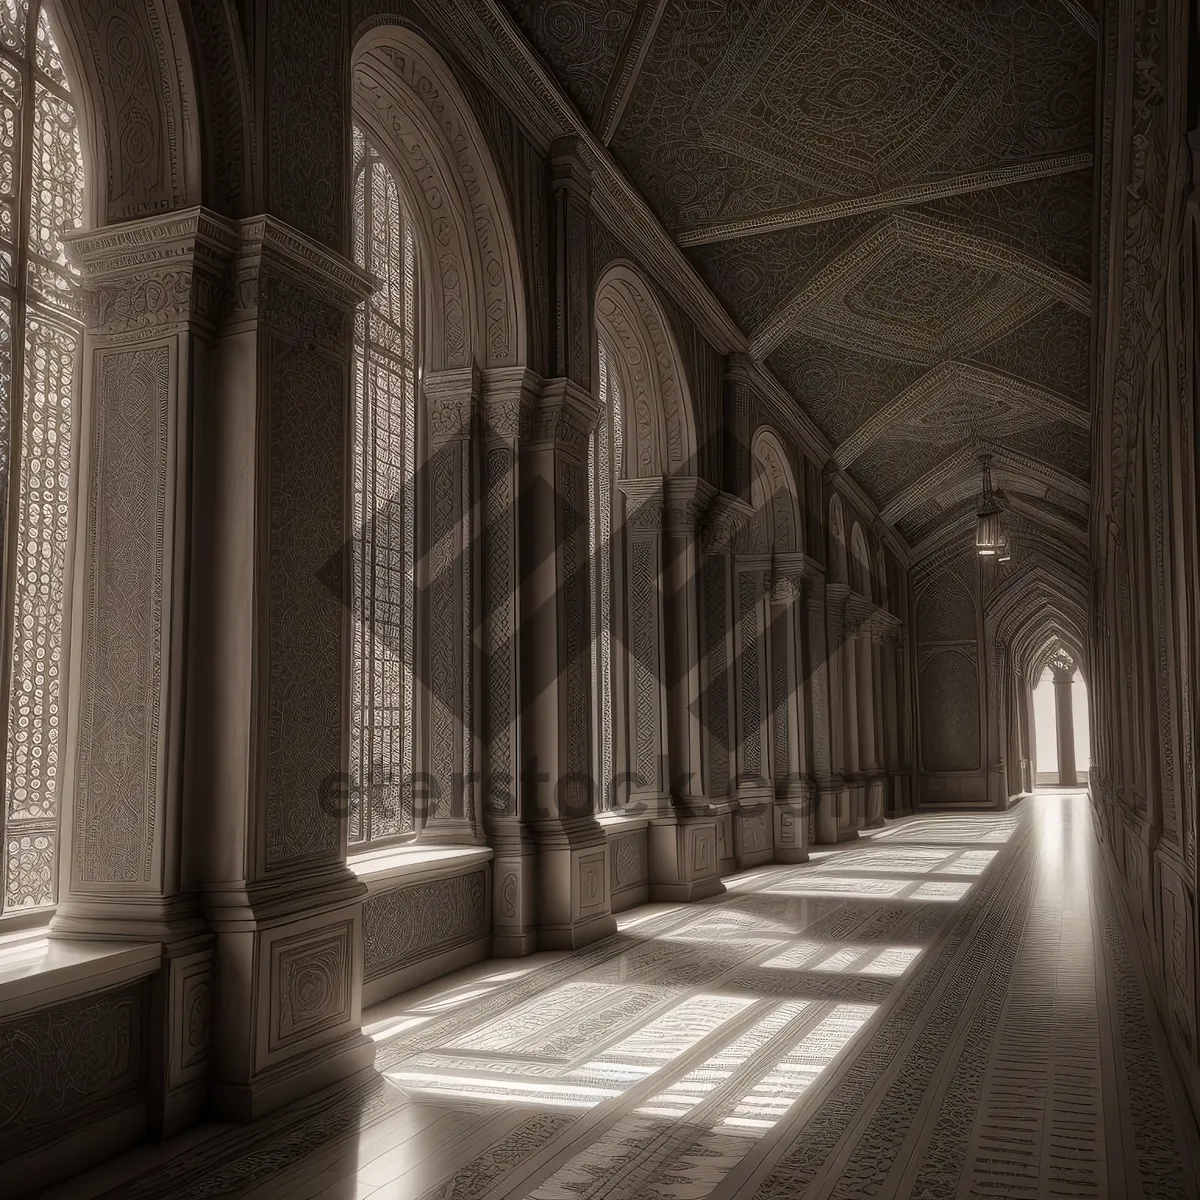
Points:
[(161, 273), (644, 503), (564, 416), (452, 401), (722, 519)]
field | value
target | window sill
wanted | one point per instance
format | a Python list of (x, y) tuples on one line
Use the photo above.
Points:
[(380, 869), (615, 821), (37, 971)]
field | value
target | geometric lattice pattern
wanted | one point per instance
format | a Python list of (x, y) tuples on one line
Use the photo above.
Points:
[(384, 564), (41, 164)]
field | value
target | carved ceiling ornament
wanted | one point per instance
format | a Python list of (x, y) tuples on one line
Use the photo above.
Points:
[(418, 119)]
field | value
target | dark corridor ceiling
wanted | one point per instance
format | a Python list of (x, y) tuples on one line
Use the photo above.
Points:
[(892, 197)]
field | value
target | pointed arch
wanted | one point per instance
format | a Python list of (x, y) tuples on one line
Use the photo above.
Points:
[(860, 562), (412, 108), (647, 367), (838, 572), (774, 494), (881, 578), (132, 78)]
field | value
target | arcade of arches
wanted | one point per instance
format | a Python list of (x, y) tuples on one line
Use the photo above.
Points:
[(483, 478)]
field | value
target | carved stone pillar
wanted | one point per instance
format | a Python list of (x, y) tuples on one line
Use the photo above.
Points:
[(718, 699), (754, 817), (877, 779), (1064, 719), (841, 732), (692, 846), (451, 570), (818, 675), (573, 890), (570, 198), (793, 790), (646, 674), (267, 705), (509, 397), (153, 291)]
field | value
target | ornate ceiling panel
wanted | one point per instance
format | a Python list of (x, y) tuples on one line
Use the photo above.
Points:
[(756, 275), (838, 387), (892, 197)]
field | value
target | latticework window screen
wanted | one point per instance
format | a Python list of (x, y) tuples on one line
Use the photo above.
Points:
[(385, 452), (604, 469), (41, 197)]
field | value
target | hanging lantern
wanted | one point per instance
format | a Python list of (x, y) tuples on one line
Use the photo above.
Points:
[(989, 528), (1004, 551)]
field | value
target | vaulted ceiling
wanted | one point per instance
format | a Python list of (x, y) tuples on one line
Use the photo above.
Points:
[(894, 200)]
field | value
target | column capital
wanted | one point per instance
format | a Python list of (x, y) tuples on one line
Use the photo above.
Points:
[(294, 286), (722, 519), (160, 273), (510, 396), (564, 415), (686, 499), (644, 503), (452, 398)]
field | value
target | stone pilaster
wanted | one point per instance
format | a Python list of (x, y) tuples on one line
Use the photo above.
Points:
[(267, 705), (570, 199), (835, 804), (754, 818), (573, 888), (646, 675), (509, 397), (688, 849), (451, 570), (154, 291), (793, 790), (726, 514), (826, 783)]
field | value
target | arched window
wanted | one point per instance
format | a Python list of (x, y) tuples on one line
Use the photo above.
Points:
[(605, 459), (385, 456), (41, 199)]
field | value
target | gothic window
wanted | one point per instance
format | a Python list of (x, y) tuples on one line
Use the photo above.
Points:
[(604, 469), (41, 199), (384, 562)]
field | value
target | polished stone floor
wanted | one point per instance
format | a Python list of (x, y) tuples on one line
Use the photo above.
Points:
[(947, 1008)]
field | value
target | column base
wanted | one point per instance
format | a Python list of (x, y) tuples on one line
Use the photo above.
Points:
[(793, 820), (294, 1079), (683, 855), (876, 801), (855, 814), (573, 888), (287, 988), (753, 829), (514, 871)]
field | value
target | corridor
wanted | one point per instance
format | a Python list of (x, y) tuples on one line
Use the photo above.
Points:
[(948, 1007)]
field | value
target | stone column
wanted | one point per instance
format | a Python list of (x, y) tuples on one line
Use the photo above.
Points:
[(573, 890), (509, 396), (754, 817), (268, 700), (1065, 727), (877, 756), (726, 514), (453, 399), (683, 848), (646, 694), (841, 761), (793, 790), (818, 675), (153, 293)]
